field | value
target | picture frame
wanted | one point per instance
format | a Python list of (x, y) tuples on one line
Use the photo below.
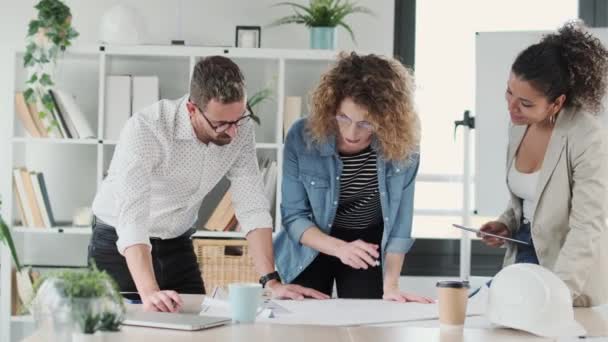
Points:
[(248, 37)]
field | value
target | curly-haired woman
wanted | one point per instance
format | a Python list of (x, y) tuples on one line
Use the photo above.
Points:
[(348, 182), (557, 162)]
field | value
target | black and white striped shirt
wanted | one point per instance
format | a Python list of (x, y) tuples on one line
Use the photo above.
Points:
[(359, 204)]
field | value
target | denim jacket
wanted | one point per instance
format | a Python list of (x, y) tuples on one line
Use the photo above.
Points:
[(310, 193)]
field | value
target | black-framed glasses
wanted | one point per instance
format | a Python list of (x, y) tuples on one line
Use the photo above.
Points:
[(345, 121), (222, 126)]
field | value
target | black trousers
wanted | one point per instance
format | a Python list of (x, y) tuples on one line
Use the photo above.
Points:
[(350, 283), (174, 261)]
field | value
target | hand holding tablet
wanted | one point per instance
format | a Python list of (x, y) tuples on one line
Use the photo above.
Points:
[(479, 232)]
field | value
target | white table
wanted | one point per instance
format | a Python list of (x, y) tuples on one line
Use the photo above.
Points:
[(476, 329)]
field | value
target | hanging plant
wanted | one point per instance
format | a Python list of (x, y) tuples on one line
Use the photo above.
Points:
[(48, 36)]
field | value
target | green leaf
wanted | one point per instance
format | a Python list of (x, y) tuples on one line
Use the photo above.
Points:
[(31, 47), (259, 97), (32, 79), (293, 4), (53, 51), (292, 19), (255, 118), (54, 125), (29, 95), (43, 58), (46, 81), (42, 115), (28, 60), (347, 28), (5, 235), (322, 13), (363, 10), (33, 28), (72, 34), (47, 101)]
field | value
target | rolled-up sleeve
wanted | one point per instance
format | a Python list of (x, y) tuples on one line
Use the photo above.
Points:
[(251, 206), (137, 154), (295, 206), (400, 239)]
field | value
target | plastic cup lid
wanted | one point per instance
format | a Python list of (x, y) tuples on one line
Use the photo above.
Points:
[(454, 284)]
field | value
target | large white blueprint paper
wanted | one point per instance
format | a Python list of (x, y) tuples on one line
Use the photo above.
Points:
[(351, 312)]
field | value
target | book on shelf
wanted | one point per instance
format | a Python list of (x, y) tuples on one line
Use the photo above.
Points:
[(223, 217), (270, 183), (117, 105), (60, 118), (77, 122), (22, 196), (38, 121), (71, 122), (25, 116), (44, 121), (42, 198), (125, 95), (145, 90), (33, 199), (67, 127)]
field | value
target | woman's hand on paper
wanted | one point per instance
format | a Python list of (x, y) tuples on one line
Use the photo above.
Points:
[(292, 291), (395, 294)]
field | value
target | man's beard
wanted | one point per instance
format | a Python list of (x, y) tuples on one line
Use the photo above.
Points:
[(221, 140)]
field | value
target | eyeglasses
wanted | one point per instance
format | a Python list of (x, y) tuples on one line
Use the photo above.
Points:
[(345, 122), (222, 126)]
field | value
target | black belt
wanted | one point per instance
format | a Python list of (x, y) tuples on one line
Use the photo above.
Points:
[(99, 224)]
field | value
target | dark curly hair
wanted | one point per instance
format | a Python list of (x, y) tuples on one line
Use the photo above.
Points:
[(571, 62), (381, 85)]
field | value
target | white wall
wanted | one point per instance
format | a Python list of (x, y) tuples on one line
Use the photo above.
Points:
[(203, 23)]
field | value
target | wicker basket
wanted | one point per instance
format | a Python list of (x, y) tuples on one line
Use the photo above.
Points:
[(220, 269)]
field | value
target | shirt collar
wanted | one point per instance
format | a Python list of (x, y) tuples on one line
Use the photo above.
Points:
[(183, 125)]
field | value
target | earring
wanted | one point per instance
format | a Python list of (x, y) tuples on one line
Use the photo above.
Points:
[(552, 119)]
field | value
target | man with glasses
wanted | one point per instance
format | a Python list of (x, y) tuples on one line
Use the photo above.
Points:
[(170, 155)]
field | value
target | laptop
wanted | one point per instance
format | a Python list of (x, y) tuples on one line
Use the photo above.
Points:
[(174, 321)]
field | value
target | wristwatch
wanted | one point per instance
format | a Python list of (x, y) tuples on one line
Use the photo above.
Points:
[(268, 277)]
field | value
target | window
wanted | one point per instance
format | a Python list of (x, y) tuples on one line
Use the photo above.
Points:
[(445, 76)]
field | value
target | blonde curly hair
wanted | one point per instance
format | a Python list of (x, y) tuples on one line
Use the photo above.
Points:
[(381, 85)]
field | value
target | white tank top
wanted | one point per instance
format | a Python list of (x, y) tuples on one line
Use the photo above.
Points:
[(523, 185)]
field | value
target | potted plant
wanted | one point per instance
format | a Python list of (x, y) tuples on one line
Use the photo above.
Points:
[(76, 304), (24, 282), (322, 17), (256, 99), (48, 36)]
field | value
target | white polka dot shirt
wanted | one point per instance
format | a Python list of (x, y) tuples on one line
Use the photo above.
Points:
[(160, 173)]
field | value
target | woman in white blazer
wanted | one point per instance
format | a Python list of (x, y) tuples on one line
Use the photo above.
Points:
[(557, 162)]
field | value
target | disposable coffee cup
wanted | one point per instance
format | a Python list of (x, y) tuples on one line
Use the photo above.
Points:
[(453, 297)]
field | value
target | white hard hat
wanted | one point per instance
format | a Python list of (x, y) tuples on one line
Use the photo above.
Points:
[(531, 298), (122, 26)]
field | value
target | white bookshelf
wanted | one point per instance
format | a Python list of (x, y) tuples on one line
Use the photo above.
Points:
[(74, 168), (56, 230)]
